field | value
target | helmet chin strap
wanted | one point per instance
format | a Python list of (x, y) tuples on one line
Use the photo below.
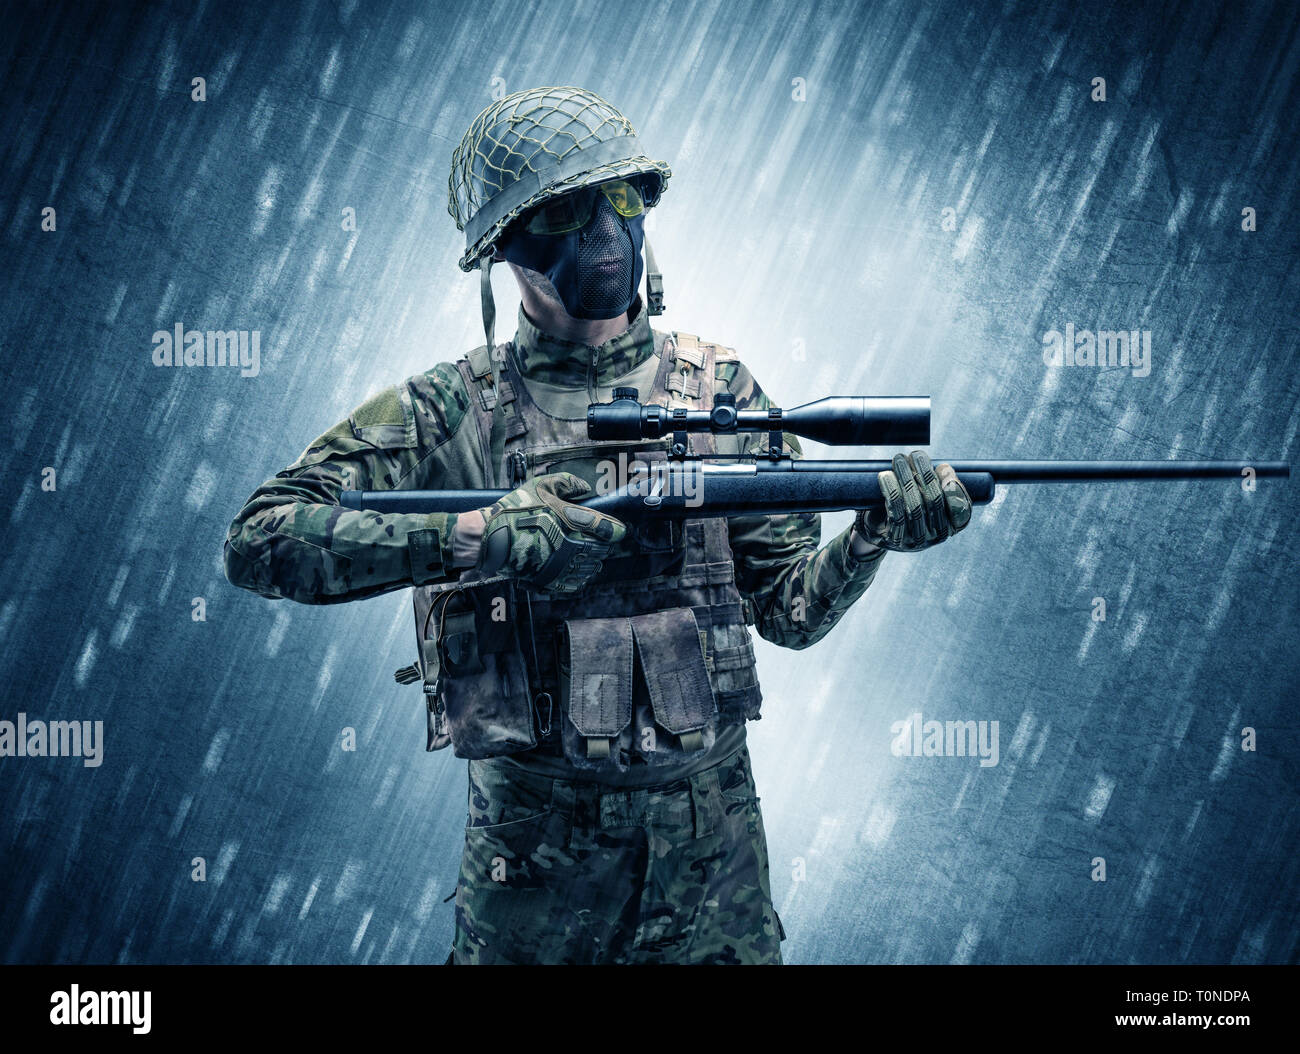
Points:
[(654, 282), (489, 304), (498, 431)]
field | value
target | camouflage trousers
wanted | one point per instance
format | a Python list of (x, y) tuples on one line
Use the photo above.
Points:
[(572, 872)]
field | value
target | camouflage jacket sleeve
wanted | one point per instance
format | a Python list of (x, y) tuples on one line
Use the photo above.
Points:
[(292, 539), (793, 591)]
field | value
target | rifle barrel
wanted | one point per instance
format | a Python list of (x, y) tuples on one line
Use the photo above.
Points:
[(790, 486), (1069, 471)]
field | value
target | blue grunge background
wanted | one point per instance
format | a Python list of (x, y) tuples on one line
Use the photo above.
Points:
[(815, 149)]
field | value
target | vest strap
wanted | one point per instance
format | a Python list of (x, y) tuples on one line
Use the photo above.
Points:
[(654, 282)]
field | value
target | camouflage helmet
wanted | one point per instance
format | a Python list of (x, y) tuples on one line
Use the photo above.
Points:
[(532, 146)]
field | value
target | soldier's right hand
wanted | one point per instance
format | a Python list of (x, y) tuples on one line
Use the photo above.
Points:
[(536, 534)]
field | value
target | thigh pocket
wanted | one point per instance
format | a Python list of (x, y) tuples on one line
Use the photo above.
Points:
[(507, 827), (736, 780), (517, 855), (499, 797), (509, 821)]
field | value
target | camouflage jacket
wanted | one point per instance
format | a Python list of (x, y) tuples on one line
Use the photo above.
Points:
[(293, 540)]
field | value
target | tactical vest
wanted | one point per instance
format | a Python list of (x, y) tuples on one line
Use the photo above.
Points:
[(647, 662)]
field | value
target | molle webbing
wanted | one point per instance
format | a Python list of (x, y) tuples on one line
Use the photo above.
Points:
[(477, 372), (691, 382), (665, 634)]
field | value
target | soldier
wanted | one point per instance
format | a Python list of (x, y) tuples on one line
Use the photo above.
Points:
[(597, 675)]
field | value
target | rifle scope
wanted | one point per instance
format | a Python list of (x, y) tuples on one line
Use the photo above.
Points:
[(841, 420)]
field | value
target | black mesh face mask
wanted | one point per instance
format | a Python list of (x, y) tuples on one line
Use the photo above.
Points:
[(606, 263), (595, 270)]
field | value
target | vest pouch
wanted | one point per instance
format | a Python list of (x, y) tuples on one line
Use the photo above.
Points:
[(730, 659), (483, 678), (595, 664), (671, 649), (648, 666)]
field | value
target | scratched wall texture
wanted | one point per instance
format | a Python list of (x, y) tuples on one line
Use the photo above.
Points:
[(810, 235)]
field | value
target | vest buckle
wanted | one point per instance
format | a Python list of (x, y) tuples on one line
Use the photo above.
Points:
[(544, 727), (517, 467)]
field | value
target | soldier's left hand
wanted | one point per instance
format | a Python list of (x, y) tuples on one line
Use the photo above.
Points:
[(923, 506)]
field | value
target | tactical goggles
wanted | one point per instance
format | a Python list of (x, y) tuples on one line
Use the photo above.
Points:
[(570, 212)]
